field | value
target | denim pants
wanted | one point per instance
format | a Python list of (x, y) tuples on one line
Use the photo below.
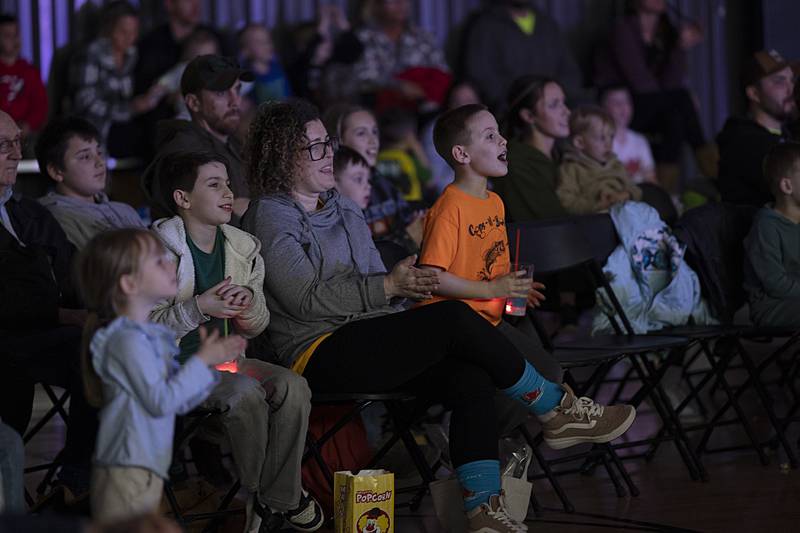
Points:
[(266, 419), (12, 461)]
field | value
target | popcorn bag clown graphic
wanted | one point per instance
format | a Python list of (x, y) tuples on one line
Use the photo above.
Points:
[(364, 502)]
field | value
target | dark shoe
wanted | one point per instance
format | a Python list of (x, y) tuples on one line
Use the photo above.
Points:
[(259, 519), (308, 515)]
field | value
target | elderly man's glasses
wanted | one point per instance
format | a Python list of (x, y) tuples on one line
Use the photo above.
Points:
[(319, 150), (7, 145)]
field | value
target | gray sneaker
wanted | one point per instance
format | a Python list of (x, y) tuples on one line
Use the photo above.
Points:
[(579, 420), (491, 517)]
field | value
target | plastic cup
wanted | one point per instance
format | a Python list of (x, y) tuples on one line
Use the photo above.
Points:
[(518, 306)]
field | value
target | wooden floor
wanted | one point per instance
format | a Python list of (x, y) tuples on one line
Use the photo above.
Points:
[(741, 494)]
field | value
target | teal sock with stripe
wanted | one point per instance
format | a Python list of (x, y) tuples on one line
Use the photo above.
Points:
[(479, 480), (536, 393)]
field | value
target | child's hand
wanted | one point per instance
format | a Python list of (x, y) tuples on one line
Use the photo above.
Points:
[(215, 350), (512, 285), (212, 304), (236, 295), (408, 281), (535, 298)]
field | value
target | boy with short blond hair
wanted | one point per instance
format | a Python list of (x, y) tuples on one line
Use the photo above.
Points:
[(220, 277), (772, 248), (465, 239), (591, 178)]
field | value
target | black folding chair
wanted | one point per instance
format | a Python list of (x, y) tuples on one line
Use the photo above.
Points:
[(560, 245), (58, 409), (185, 428), (401, 407)]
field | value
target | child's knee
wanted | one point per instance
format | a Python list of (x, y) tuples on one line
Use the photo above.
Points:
[(288, 389)]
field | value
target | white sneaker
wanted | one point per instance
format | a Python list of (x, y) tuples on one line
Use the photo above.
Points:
[(491, 517)]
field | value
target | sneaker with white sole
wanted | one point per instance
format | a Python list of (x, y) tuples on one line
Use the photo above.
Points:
[(260, 519), (580, 420), (308, 515), (491, 517)]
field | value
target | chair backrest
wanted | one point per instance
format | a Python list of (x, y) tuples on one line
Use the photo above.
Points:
[(714, 236), (550, 245), (558, 245)]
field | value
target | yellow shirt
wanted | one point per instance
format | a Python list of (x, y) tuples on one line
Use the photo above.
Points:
[(526, 23)]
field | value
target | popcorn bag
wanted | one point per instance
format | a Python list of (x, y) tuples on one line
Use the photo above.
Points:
[(364, 502)]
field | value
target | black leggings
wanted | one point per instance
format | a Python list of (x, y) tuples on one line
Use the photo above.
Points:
[(444, 351)]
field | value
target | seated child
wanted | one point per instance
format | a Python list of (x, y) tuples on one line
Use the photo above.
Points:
[(630, 147), (591, 178), (220, 278), (258, 55), (352, 176), (388, 215), (129, 370), (402, 158), (465, 235), (465, 239), (69, 153), (772, 248)]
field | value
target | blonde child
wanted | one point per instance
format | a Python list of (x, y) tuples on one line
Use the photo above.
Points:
[(591, 178), (129, 369)]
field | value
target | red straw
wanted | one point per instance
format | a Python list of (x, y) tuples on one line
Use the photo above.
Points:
[(516, 254)]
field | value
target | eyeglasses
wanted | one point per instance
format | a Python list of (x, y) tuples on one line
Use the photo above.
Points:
[(7, 145), (319, 150)]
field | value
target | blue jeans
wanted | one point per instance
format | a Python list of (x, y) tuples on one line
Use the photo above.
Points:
[(12, 461)]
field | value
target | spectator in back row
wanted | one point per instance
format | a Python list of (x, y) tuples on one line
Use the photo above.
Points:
[(393, 46), (211, 87), (22, 94), (258, 56), (744, 141), (537, 117), (493, 54), (69, 153), (632, 148), (591, 178), (101, 77)]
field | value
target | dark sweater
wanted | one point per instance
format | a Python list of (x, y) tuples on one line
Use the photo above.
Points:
[(743, 143), (497, 52), (529, 188), (772, 269)]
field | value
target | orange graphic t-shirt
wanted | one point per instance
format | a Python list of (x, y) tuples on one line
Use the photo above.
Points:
[(466, 236)]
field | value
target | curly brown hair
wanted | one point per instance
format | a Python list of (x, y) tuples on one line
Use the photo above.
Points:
[(273, 142)]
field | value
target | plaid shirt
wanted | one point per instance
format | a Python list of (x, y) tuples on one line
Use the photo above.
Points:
[(382, 58), (102, 93)]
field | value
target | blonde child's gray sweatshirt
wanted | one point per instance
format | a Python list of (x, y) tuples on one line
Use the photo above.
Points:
[(322, 269)]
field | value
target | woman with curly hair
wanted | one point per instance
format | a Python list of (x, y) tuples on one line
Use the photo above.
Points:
[(336, 318)]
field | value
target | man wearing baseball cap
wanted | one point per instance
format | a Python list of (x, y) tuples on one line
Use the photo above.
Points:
[(210, 86), (744, 141)]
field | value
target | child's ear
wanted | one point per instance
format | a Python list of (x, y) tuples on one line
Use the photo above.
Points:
[(785, 186), (128, 284), (55, 173), (181, 199), (577, 142), (460, 154)]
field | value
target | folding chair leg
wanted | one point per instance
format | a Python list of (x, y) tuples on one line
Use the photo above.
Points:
[(623, 472), (548, 472), (177, 514), (424, 469)]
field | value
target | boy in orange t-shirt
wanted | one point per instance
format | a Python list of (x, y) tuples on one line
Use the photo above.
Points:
[(465, 231)]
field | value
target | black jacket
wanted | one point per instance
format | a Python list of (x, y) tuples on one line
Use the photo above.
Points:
[(714, 236), (35, 279), (743, 143)]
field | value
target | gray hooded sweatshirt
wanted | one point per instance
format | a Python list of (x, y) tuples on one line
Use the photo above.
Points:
[(322, 269), (82, 220)]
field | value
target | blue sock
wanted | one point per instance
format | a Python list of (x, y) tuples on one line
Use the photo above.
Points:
[(535, 392), (479, 479)]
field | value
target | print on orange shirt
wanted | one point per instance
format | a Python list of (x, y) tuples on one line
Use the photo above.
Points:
[(466, 236)]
